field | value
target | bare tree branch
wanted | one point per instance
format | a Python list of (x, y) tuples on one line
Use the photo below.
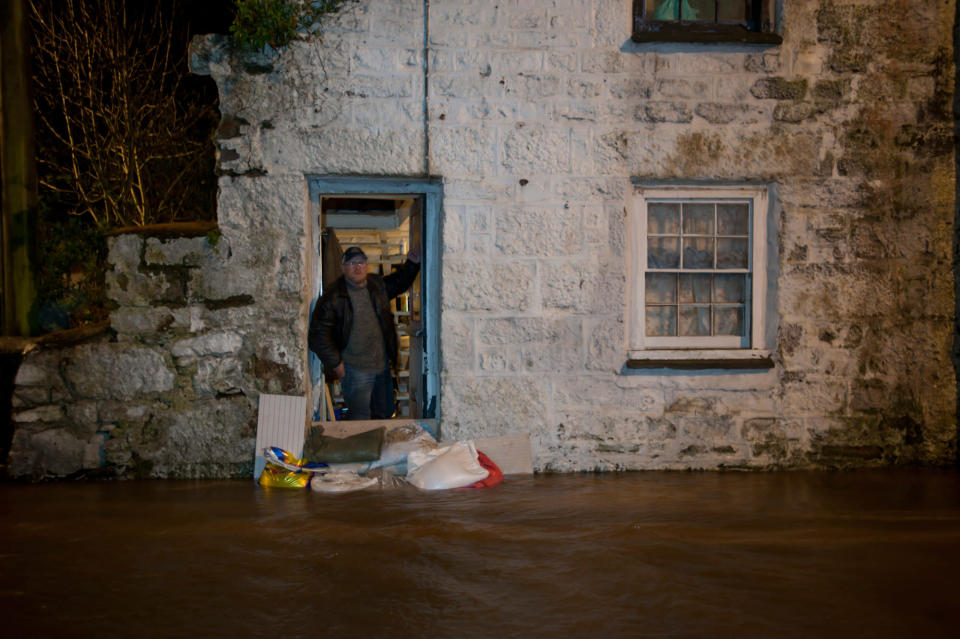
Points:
[(111, 106)]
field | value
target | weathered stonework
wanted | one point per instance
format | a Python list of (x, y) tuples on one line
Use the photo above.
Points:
[(537, 115)]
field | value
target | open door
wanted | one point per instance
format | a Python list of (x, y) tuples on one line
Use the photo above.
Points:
[(386, 218)]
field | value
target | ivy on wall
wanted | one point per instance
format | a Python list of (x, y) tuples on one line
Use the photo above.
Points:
[(277, 23)]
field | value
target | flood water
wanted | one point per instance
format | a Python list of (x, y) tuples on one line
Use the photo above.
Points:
[(865, 554)]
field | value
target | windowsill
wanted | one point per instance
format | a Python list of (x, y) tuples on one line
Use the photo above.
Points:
[(701, 359), (706, 34)]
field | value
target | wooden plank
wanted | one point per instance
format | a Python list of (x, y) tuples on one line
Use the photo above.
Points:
[(348, 427), (511, 453), (281, 421)]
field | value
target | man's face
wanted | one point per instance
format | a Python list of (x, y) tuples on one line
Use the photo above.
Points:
[(355, 271)]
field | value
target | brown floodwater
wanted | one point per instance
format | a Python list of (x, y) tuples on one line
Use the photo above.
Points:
[(864, 554)]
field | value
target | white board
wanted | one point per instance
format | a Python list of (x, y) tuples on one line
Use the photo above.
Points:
[(281, 420)]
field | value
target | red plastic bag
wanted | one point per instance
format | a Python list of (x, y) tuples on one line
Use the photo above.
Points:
[(495, 476)]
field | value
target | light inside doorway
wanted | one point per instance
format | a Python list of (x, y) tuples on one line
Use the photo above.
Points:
[(385, 227)]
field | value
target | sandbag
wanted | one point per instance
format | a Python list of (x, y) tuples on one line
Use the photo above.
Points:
[(401, 442), (362, 447), (453, 466), (337, 482)]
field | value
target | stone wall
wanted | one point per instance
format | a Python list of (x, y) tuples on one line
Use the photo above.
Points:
[(538, 115), (203, 324)]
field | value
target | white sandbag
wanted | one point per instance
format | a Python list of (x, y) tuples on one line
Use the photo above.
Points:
[(452, 466), (341, 482), (400, 442)]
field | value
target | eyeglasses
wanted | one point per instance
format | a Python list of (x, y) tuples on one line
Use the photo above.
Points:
[(355, 263)]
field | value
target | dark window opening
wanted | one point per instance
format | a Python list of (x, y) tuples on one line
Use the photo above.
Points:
[(745, 21)]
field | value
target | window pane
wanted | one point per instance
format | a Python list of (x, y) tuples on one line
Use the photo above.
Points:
[(731, 289), (663, 252), (663, 218), (699, 10), (661, 321), (663, 9), (732, 10), (661, 288), (729, 320), (694, 320), (733, 219), (732, 253), (697, 252), (698, 219), (695, 288)]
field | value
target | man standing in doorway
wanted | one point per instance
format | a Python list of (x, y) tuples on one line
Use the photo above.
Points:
[(353, 334)]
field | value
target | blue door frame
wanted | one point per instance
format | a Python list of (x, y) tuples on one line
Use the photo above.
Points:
[(430, 191)]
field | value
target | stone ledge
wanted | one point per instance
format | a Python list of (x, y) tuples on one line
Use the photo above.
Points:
[(11, 345), (167, 230), (704, 34), (701, 360)]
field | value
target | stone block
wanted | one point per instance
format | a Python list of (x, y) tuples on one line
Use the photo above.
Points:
[(601, 62), (538, 232), (520, 405), (136, 288), (450, 17), (486, 286), (124, 252), (779, 88), (498, 360), (117, 371), (139, 320), (83, 414), (463, 152), (49, 453), (535, 149), (219, 376), (454, 234), (184, 251), (612, 22), (276, 365), (610, 428), (457, 342), (217, 342), (723, 113), (35, 373), (605, 346), (684, 89), (600, 393), (530, 344), (30, 396), (38, 414), (676, 112), (540, 40), (563, 61), (630, 88)]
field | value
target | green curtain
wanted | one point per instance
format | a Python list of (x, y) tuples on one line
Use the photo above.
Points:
[(667, 10)]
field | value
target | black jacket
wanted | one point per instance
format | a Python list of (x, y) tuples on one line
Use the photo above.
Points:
[(333, 315)]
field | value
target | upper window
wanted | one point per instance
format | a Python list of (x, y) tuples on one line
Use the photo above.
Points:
[(750, 21), (698, 274)]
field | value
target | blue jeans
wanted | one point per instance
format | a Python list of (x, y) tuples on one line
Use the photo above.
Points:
[(368, 395)]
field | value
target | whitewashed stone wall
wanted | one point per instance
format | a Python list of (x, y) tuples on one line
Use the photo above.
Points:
[(537, 114)]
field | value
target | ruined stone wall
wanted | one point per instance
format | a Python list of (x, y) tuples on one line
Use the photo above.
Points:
[(202, 325), (537, 114)]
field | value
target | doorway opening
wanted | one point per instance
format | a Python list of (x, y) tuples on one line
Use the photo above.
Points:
[(386, 218)]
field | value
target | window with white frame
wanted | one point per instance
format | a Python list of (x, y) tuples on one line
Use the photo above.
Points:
[(698, 273)]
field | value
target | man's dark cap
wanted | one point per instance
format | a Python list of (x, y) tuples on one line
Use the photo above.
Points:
[(352, 252)]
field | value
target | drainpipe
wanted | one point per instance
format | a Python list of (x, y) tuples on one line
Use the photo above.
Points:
[(426, 88)]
